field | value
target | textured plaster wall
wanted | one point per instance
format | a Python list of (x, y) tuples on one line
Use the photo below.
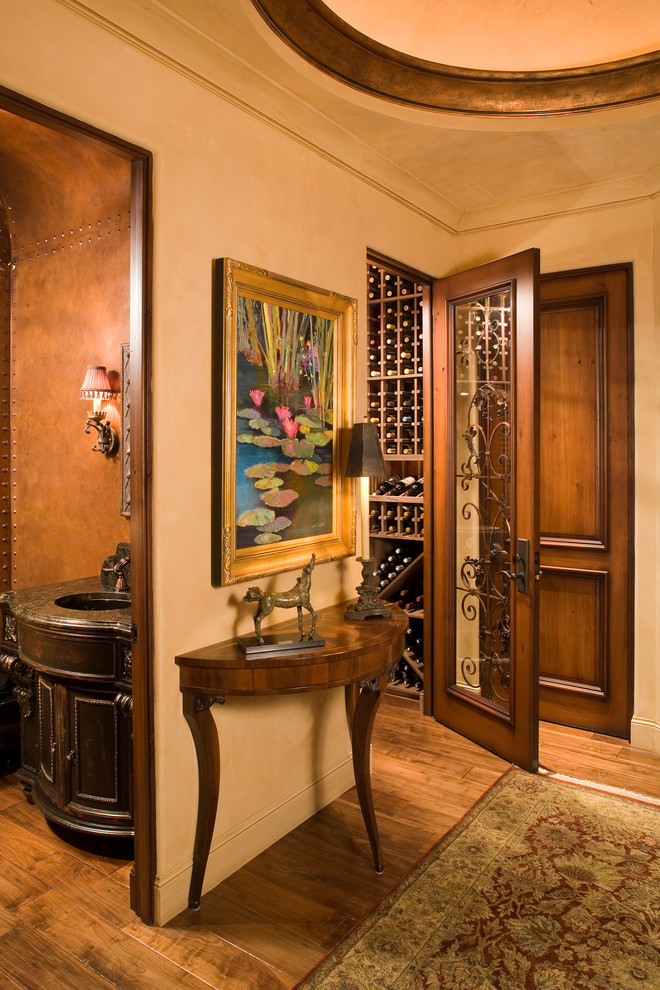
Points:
[(67, 206), (225, 184)]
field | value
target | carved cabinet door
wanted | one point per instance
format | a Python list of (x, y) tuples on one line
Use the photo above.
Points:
[(98, 758)]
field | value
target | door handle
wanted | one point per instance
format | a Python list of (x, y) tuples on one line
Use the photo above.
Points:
[(521, 575)]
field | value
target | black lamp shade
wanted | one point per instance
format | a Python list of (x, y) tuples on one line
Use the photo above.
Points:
[(365, 457)]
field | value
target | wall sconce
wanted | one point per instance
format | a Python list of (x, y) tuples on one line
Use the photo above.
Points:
[(365, 460), (96, 387)]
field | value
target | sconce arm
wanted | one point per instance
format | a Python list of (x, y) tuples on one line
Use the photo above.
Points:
[(107, 440)]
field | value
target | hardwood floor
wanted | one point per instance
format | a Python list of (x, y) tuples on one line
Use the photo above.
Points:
[(64, 915)]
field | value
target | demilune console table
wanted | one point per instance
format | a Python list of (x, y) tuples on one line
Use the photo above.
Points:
[(356, 655)]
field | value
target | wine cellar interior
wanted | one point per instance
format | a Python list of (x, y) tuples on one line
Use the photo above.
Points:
[(398, 317)]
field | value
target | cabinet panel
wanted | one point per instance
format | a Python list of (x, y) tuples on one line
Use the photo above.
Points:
[(47, 651), (95, 737), (46, 707)]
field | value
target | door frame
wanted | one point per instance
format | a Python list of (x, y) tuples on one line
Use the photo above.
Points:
[(144, 870)]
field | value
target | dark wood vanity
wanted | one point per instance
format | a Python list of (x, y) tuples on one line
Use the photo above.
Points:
[(71, 670)]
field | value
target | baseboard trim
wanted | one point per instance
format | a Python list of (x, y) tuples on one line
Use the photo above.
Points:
[(645, 734), (233, 849)]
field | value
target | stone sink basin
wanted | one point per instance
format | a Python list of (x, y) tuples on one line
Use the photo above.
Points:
[(95, 601)]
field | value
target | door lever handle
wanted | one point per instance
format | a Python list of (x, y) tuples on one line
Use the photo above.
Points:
[(522, 574)]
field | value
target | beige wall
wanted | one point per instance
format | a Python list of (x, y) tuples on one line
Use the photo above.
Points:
[(228, 184)]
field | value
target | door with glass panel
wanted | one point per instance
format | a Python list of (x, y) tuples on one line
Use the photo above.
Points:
[(485, 504)]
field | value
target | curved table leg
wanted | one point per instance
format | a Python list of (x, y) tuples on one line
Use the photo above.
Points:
[(197, 711), (366, 706)]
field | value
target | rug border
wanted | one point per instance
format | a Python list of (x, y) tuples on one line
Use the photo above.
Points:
[(595, 785), (456, 830)]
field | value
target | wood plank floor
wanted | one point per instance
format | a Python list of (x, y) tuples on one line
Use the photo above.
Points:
[(64, 915)]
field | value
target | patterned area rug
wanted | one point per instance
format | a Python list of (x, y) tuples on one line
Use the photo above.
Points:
[(544, 885)]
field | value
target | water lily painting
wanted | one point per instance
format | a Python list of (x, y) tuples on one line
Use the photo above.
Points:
[(282, 403)]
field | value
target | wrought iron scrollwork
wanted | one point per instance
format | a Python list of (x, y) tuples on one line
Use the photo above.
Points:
[(484, 475), (489, 407)]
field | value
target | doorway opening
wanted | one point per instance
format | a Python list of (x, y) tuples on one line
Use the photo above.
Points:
[(98, 150)]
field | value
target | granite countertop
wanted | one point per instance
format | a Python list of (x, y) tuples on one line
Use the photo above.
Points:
[(37, 606)]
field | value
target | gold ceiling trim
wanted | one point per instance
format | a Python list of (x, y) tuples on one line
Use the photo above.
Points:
[(321, 37)]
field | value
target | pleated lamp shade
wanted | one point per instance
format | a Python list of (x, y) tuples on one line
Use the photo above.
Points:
[(96, 384)]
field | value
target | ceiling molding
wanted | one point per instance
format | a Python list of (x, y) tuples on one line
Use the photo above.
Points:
[(321, 37)]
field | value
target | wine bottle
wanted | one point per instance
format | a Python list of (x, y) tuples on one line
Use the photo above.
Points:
[(401, 485), (416, 489), (385, 486)]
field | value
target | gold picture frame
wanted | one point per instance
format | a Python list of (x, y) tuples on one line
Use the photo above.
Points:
[(283, 383)]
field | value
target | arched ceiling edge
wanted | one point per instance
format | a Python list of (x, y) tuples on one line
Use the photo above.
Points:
[(317, 34)]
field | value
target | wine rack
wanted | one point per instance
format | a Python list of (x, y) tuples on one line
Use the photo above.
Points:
[(397, 308), (391, 516)]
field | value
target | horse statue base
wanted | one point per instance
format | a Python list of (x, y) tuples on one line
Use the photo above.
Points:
[(275, 643)]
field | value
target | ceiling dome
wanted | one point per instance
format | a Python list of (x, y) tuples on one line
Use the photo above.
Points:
[(507, 35), (486, 57)]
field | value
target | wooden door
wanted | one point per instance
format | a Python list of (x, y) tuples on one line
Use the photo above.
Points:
[(485, 506), (586, 507)]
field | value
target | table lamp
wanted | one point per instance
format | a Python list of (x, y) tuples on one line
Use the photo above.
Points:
[(365, 461)]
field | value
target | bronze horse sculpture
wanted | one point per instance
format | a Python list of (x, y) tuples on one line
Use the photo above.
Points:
[(297, 597)]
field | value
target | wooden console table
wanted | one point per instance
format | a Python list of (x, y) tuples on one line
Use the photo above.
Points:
[(357, 655)]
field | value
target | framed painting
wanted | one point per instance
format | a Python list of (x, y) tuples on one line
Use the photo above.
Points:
[(282, 380)]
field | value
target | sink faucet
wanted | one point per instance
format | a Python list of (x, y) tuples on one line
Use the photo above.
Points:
[(118, 569)]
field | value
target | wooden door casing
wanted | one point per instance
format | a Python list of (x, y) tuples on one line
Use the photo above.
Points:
[(586, 500)]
